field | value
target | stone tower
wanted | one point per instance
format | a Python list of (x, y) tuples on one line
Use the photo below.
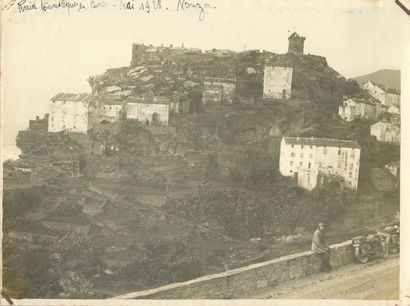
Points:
[(296, 43), (137, 50)]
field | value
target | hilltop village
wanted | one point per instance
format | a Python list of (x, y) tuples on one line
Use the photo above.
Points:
[(160, 90), (186, 148)]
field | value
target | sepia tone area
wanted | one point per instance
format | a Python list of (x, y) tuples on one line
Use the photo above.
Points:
[(209, 173)]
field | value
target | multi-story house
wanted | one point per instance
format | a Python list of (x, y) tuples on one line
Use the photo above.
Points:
[(312, 159), (388, 97), (148, 109), (386, 132), (357, 108), (73, 112)]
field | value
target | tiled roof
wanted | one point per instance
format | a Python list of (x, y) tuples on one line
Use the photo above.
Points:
[(388, 90), (83, 97), (111, 99), (322, 142), (371, 101), (385, 124), (148, 100)]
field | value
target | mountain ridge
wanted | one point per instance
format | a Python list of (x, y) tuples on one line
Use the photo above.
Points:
[(390, 78)]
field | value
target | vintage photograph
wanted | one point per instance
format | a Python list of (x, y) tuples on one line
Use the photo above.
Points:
[(201, 150)]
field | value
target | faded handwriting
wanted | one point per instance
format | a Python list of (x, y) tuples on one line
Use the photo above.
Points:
[(8, 5), (202, 7), (25, 6)]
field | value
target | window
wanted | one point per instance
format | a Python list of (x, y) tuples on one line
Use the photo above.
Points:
[(339, 165), (302, 146), (351, 166), (292, 154), (301, 155), (324, 150), (291, 163), (293, 146), (300, 164), (339, 152), (309, 166), (311, 147), (52, 118), (310, 155), (350, 174)]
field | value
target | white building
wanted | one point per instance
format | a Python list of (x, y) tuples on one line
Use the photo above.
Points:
[(308, 159), (148, 109), (277, 82), (73, 112), (388, 97), (356, 108), (386, 132)]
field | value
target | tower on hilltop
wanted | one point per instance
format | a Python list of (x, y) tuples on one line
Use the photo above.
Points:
[(296, 43)]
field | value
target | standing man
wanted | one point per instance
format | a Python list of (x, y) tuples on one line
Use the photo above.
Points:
[(320, 247)]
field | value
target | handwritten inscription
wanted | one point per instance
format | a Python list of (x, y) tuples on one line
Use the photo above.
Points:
[(181, 6), (202, 7)]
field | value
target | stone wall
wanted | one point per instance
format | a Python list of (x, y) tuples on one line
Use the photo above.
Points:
[(233, 283)]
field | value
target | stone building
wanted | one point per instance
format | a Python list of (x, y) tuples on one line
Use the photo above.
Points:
[(179, 104), (311, 160), (277, 82), (112, 108), (296, 43), (356, 108), (386, 132), (150, 110), (73, 112), (218, 91), (388, 97)]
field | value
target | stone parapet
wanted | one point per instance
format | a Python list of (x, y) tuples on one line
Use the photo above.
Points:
[(233, 283)]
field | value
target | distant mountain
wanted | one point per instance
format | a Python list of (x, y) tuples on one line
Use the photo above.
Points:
[(387, 77)]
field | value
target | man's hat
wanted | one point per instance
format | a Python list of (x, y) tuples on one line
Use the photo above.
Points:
[(321, 223)]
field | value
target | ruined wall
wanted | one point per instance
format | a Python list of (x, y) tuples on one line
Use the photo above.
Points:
[(277, 82), (233, 283), (217, 91), (145, 112)]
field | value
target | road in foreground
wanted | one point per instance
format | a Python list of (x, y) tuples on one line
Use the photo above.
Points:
[(376, 280)]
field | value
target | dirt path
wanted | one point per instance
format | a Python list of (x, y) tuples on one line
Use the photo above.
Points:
[(378, 279)]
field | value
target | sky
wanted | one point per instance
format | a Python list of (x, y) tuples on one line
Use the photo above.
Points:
[(47, 53)]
